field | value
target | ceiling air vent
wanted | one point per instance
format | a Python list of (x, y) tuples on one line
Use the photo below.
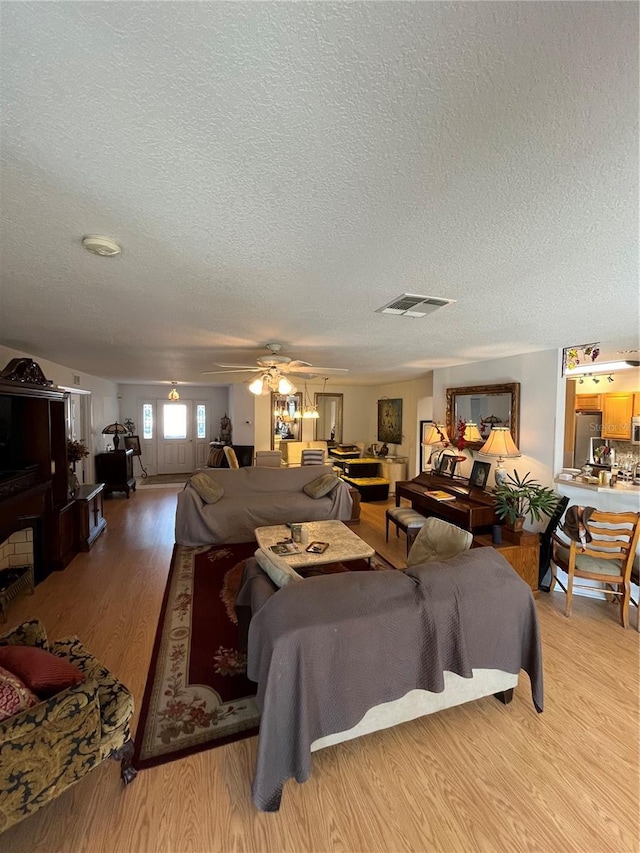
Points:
[(412, 305)]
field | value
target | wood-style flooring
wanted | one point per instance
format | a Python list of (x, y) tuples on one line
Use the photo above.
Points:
[(480, 777)]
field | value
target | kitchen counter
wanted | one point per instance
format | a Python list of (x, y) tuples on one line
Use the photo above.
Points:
[(626, 488), (620, 498)]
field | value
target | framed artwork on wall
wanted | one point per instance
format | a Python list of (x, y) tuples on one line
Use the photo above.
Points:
[(390, 421)]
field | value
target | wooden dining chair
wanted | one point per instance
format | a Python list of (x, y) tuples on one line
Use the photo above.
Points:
[(607, 558), (232, 459)]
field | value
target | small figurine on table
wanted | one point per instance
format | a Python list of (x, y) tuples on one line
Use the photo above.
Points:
[(225, 429)]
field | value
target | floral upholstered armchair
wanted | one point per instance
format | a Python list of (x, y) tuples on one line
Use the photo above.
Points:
[(52, 742)]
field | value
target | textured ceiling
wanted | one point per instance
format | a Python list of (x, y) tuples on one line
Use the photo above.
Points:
[(277, 171)]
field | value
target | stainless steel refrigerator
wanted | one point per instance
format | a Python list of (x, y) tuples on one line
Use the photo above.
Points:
[(588, 426)]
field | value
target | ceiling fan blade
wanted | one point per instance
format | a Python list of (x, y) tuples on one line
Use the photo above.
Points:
[(240, 366), (297, 363), (320, 371), (237, 370)]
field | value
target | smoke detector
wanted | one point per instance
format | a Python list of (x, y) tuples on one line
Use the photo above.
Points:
[(412, 305), (103, 246)]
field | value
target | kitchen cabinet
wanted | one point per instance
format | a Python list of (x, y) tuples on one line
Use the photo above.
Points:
[(636, 405), (589, 402), (616, 416)]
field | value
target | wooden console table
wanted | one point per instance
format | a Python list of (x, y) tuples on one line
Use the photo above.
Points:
[(115, 470), (91, 520), (521, 550)]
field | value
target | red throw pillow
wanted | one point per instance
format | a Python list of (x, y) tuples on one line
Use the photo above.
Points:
[(41, 671), (14, 695)]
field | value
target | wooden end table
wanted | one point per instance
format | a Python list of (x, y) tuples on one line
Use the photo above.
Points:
[(520, 549)]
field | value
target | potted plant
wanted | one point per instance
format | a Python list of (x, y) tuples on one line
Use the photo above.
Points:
[(76, 452), (523, 497)]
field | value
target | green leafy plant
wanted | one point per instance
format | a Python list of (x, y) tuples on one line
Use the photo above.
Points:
[(523, 497)]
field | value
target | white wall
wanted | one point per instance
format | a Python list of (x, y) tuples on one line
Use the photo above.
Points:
[(541, 396)]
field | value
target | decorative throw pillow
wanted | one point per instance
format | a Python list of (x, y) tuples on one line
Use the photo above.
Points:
[(14, 695), (438, 540), (208, 489), (42, 671), (278, 569), (321, 486)]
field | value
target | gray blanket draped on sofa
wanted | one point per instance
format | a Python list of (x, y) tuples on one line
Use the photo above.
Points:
[(326, 650), (256, 497)]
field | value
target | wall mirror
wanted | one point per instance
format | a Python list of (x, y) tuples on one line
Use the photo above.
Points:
[(285, 426), (328, 424), (487, 406)]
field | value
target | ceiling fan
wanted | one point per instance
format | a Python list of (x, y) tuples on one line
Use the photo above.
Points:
[(273, 368)]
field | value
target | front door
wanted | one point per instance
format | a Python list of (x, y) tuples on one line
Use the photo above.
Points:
[(175, 437)]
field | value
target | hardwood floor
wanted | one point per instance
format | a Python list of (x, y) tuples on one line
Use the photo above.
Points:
[(480, 777)]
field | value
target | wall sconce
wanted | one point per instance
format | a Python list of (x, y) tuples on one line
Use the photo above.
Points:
[(500, 444), (173, 394)]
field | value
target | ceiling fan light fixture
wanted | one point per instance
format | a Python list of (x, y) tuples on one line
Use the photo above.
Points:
[(284, 386), (256, 386)]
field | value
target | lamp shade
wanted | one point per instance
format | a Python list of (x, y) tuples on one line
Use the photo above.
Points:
[(116, 430), (471, 432), (437, 435), (500, 444)]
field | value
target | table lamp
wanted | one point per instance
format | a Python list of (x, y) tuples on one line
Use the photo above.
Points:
[(500, 444), (437, 435), (116, 430)]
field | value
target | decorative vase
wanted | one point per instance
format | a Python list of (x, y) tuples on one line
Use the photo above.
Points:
[(517, 525), (72, 483)]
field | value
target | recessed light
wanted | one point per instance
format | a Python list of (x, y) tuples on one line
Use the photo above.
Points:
[(103, 246)]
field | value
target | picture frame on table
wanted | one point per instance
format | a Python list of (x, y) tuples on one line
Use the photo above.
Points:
[(479, 475), (447, 465)]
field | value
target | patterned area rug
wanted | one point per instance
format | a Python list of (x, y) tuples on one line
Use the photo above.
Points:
[(197, 694)]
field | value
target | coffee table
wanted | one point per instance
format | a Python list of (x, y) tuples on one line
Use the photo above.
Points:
[(344, 544)]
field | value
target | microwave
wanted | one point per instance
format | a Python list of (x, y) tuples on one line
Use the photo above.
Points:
[(635, 430)]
